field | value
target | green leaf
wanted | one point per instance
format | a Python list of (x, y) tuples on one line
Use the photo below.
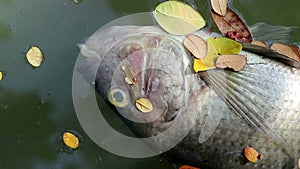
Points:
[(178, 18)]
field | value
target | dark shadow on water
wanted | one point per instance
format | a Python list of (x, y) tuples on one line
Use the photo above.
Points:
[(24, 129)]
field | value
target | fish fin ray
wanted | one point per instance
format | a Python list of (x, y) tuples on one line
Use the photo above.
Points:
[(271, 33), (248, 101)]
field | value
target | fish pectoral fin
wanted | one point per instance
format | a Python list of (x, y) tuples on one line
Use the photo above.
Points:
[(214, 116), (245, 93), (270, 53)]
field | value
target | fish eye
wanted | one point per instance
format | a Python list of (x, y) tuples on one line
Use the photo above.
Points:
[(117, 97)]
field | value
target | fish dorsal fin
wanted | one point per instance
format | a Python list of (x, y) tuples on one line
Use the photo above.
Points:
[(270, 53), (252, 94), (271, 33)]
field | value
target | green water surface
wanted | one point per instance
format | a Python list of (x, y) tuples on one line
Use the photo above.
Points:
[(36, 104)]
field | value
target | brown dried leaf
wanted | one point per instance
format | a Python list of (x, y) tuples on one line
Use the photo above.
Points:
[(232, 26), (291, 51), (196, 45), (236, 62), (259, 43), (251, 154), (219, 6)]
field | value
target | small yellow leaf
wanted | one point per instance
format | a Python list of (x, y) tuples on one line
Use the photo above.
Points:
[(70, 140), (224, 46), (1, 75), (215, 48), (196, 45), (178, 18), (34, 56), (251, 154), (219, 6), (288, 50), (236, 62)]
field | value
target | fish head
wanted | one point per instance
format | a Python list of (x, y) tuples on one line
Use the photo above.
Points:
[(151, 66)]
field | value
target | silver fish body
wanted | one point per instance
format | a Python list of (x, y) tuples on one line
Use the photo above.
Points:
[(224, 111)]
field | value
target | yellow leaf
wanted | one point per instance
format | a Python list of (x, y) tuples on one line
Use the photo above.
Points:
[(224, 46), (1, 75), (34, 56), (178, 18), (215, 48), (70, 140)]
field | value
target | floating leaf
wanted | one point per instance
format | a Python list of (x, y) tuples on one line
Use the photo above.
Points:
[(236, 62), (144, 105), (130, 79), (219, 6), (196, 45), (291, 51), (178, 18), (251, 154), (34, 56), (1, 75), (70, 140), (232, 26), (224, 46), (187, 167), (216, 47), (259, 43)]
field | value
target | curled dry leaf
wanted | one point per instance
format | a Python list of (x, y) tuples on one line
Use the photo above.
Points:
[(236, 62), (251, 154), (34, 56), (291, 51), (178, 18), (196, 45), (187, 167), (232, 26), (259, 43), (130, 79), (70, 140), (144, 105), (219, 6)]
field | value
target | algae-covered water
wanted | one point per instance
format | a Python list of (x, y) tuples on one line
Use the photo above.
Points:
[(36, 104)]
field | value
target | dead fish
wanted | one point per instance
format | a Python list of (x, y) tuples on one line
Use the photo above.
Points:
[(257, 107)]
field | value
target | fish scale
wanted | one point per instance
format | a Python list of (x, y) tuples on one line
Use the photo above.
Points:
[(261, 104)]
